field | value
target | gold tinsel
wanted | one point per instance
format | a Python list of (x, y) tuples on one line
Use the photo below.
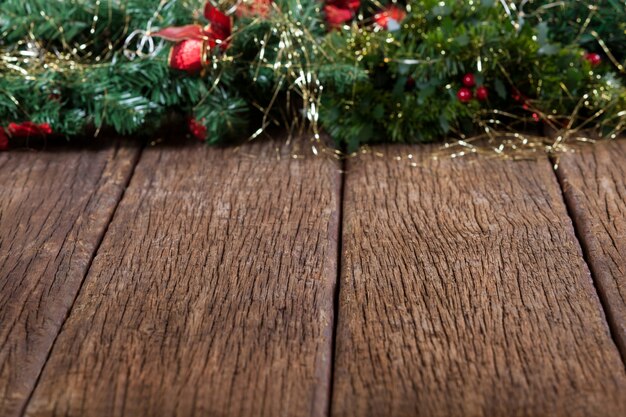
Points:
[(296, 55)]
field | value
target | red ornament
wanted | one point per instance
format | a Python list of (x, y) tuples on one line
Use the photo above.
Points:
[(26, 129), (482, 93), (194, 41), (189, 55), (340, 11), (593, 58), (197, 129), (4, 140), (464, 94), (390, 18), (468, 80), (535, 117)]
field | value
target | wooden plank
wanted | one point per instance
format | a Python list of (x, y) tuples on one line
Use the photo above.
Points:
[(54, 207), (212, 293), (464, 292), (594, 183)]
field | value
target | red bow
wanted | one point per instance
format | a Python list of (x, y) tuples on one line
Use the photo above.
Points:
[(195, 41), (26, 129), (22, 130)]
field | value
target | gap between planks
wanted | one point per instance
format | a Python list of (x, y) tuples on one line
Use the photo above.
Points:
[(337, 289), (56, 204), (436, 318), (337, 286), (593, 188), (136, 160)]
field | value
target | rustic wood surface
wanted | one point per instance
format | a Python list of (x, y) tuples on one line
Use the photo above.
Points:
[(54, 208), (211, 294), (464, 292), (463, 287), (594, 184)]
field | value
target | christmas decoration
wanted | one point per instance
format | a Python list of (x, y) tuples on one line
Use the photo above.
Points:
[(339, 12), (597, 26), (198, 130), (364, 71), (27, 129), (464, 95), (468, 80), (189, 55), (22, 130), (593, 58), (482, 93), (191, 52)]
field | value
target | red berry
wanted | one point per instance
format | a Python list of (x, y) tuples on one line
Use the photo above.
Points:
[(593, 58), (464, 95), (197, 129), (468, 80), (482, 93)]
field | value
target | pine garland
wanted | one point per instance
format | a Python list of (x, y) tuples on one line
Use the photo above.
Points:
[(363, 71)]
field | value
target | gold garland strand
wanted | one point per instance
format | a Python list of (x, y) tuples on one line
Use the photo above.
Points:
[(295, 71)]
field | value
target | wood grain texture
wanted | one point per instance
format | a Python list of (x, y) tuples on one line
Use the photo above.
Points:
[(54, 207), (464, 293), (594, 183), (211, 295)]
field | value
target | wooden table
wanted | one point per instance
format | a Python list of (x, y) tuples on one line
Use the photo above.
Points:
[(185, 280)]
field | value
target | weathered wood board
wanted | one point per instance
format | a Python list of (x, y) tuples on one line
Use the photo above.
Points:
[(464, 292), (211, 294), (54, 208), (594, 184)]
